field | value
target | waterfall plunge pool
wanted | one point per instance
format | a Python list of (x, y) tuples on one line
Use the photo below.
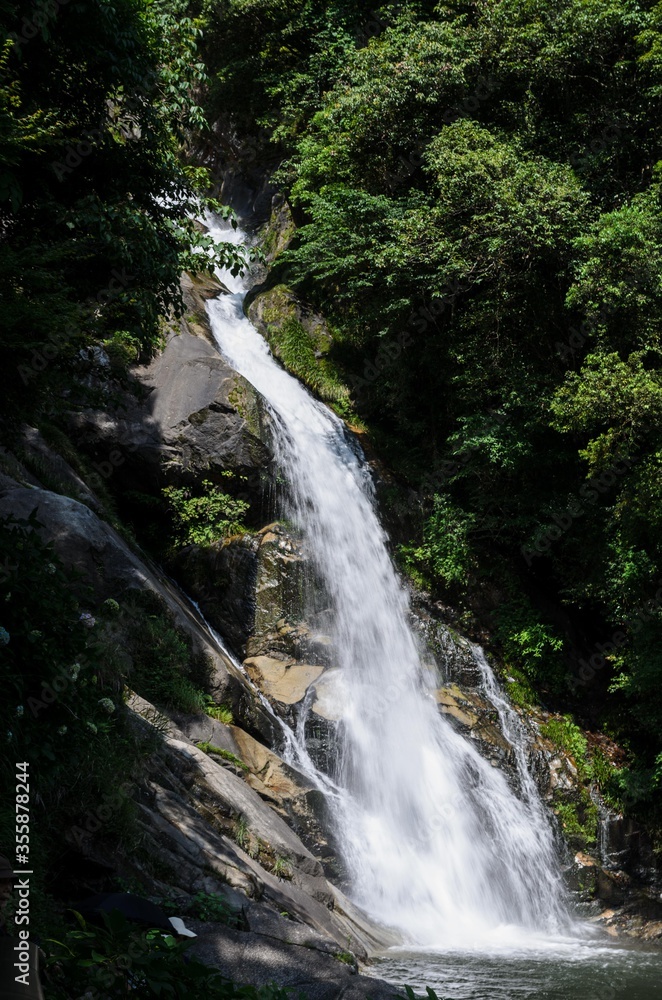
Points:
[(558, 970)]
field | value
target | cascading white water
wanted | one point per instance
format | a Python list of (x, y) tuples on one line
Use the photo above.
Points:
[(436, 843), (513, 729)]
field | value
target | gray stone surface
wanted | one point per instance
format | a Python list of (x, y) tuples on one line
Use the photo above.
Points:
[(187, 415), (94, 549), (198, 417), (218, 784), (222, 577), (83, 541), (190, 808), (261, 958), (190, 406)]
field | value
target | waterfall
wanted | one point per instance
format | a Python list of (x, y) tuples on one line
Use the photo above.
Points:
[(436, 844)]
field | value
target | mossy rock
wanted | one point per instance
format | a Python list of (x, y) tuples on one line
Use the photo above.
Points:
[(279, 587), (578, 816), (278, 232), (302, 340), (196, 291)]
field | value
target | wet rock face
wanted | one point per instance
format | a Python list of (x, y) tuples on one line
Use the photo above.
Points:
[(279, 593), (449, 652), (251, 588), (289, 653), (624, 845), (476, 718), (221, 578), (616, 901)]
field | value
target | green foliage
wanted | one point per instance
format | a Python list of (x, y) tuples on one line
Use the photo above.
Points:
[(274, 85), (61, 709), (211, 906), (60, 690), (519, 689), (162, 667), (578, 817), (208, 518), (208, 747), (529, 644), (566, 735), (576, 809), (241, 833), (429, 994), (282, 868), (223, 713), (445, 553), (296, 350)]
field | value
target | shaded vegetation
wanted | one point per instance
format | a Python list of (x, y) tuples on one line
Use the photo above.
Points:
[(118, 957), (207, 518), (160, 662)]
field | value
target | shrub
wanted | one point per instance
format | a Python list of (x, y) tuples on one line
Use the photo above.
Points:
[(445, 555), (566, 735), (201, 520), (530, 644), (223, 713)]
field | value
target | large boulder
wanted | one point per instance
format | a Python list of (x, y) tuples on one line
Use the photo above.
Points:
[(279, 586), (279, 953), (284, 682), (84, 542), (186, 416), (284, 788), (251, 588)]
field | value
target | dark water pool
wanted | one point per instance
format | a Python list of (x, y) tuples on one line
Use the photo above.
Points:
[(561, 972)]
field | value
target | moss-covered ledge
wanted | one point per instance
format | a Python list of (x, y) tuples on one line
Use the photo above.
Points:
[(301, 340)]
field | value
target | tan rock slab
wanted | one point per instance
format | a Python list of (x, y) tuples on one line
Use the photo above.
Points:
[(447, 699), (269, 774), (284, 681)]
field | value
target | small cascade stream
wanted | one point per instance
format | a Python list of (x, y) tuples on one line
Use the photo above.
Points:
[(437, 845), (514, 731)]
